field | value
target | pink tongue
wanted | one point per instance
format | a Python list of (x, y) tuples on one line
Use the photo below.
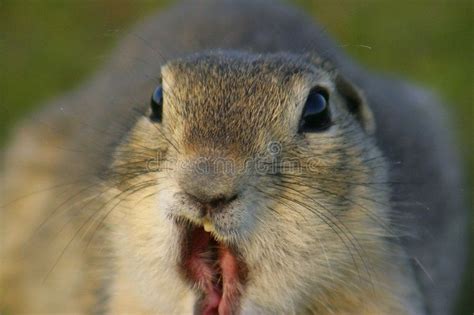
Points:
[(219, 297), (231, 284)]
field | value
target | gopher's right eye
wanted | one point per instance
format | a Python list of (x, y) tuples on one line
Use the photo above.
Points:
[(156, 104), (316, 116)]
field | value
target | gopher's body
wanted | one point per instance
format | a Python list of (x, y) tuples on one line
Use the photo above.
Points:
[(56, 161)]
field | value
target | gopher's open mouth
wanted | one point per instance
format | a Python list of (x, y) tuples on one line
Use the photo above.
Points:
[(215, 270)]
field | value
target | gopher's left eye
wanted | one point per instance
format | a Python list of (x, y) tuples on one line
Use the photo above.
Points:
[(316, 116), (156, 104)]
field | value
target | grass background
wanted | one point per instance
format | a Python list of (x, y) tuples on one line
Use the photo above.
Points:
[(49, 46)]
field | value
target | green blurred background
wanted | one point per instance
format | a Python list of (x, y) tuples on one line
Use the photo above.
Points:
[(49, 46)]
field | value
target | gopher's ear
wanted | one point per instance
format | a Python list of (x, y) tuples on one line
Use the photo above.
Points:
[(356, 103)]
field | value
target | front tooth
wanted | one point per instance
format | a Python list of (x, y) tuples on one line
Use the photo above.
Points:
[(208, 227)]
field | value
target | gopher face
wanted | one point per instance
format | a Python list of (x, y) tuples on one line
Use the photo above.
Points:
[(250, 178)]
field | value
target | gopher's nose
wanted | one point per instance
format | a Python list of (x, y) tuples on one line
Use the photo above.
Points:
[(213, 204), (212, 182)]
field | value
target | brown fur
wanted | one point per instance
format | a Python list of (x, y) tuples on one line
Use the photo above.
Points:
[(99, 233)]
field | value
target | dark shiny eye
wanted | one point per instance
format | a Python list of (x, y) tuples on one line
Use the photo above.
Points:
[(156, 104), (316, 116)]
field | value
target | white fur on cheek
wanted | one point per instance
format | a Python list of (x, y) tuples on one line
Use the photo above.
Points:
[(147, 246)]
